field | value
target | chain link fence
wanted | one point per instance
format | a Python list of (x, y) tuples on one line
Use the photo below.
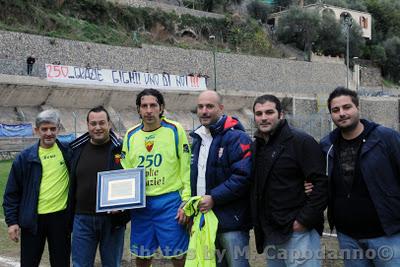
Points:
[(74, 123), (317, 125)]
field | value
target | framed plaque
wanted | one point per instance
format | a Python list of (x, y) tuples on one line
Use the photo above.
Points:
[(121, 190)]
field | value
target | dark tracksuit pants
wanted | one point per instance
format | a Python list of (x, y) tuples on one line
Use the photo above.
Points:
[(53, 227)]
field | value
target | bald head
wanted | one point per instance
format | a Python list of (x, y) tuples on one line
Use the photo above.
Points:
[(209, 107), (210, 94)]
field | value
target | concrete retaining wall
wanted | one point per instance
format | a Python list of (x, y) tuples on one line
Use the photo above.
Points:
[(234, 72), (240, 79), (21, 98)]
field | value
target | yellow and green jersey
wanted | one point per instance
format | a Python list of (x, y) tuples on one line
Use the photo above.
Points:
[(165, 155), (201, 251), (54, 185)]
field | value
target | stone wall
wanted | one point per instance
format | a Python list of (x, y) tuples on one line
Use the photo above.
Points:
[(384, 110), (370, 76), (327, 59), (235, 73)]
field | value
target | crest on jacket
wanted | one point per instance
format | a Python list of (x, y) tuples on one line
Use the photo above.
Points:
[(117, 158)]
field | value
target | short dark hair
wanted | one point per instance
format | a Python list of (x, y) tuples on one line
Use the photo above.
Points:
[(270, 98), (98, 109), (343, 91), (152, 92)]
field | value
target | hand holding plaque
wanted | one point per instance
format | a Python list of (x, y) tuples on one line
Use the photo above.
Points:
[(120, 190)]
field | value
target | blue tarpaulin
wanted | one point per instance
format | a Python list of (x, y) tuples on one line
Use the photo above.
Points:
[(16, 130), (26, 130), (66, 138)]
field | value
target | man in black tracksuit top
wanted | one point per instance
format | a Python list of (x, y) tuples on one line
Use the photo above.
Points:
[(97, 150)]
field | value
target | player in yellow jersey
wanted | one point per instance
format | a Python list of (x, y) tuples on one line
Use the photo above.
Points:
[(161, 147)]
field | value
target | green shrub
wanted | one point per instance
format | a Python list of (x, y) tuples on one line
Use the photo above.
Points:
[(104, 22)]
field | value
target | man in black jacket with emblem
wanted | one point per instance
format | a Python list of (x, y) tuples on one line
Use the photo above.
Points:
[(96, 151)]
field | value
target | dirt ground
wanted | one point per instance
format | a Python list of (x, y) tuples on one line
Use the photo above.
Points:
[(10, 250), (256, 260)]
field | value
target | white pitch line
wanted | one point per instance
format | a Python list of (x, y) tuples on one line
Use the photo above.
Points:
[(10, 262)]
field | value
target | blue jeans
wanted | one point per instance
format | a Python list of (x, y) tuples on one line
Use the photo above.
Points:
[(302, 249), (381, 251), (89, 231), (232, 249)]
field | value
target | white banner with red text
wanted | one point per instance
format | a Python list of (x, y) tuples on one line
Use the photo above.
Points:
[(134, 79)]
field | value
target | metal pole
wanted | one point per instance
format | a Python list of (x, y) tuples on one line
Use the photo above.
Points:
[(74, 115), (215, 71), (347, 20), (119, 125), (212, 38), (347, 54)]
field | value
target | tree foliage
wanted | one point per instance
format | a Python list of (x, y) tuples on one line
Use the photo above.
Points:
[(331, 40), (258, 10), (218, 6), (356, 41), (386, 14), (377, 54), (306, 27), (284, 3), (248, 37), (357, 5), (299, 26), (385, 28), (392, 63), (352, 4), (102, 21)]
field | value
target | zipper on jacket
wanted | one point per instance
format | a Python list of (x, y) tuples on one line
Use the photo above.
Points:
[(327, 160)]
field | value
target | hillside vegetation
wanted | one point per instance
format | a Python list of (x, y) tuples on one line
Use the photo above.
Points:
[(104, 22), (383, 49)]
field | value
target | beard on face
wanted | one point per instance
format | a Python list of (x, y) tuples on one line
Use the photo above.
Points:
[(352, 126)]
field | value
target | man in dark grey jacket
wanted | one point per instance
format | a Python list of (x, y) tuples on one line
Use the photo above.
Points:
[(285, 218)]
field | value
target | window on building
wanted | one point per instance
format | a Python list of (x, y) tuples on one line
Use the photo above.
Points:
[(363, 22)]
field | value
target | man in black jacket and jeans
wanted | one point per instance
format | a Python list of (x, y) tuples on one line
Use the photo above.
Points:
[(287, 222)]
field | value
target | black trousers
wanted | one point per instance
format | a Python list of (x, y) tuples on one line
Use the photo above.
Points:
[(29, 68), (55, 228)]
